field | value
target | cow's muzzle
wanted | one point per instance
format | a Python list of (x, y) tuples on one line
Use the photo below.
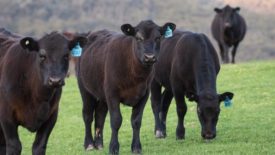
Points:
[(55, 82), (208, 135), (149, 59)]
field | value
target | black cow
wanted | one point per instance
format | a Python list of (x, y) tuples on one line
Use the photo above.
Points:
[(228, 29), (187, 67), (114, 69), (32, 74)]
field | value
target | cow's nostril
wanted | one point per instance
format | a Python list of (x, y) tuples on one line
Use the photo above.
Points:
[(149, 58), (54, 81)]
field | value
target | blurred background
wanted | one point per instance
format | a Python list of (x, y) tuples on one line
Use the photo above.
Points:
[(37, 17)]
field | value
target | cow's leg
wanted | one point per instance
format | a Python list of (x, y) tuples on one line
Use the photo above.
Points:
[(2, 142), (89, 103), (100, 115), (116, 121), (42, 135), (166, 101), (136, 119), (181, 110), (221, 51), (156, 107), (13, 144), (225, 53), (234, 52)]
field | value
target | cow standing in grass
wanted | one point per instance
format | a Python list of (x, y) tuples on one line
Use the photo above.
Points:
[(187, 67), (32, 74), (117, 68), (228, 29)]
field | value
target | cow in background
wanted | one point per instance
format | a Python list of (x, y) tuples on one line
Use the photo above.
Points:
[(228, 29), (32, 73)]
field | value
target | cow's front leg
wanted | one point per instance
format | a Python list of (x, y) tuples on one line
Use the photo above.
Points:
[(42, 135), (116, 120), (2, 141), (13, 144), (136, 119), (100, 115)]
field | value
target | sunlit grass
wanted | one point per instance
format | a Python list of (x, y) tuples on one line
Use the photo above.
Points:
[(247, 127)]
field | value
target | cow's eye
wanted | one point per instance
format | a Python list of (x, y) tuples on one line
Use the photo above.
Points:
[(42, 57), (66, 57)]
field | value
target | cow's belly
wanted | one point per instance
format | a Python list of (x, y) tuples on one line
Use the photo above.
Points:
[(131, 96)]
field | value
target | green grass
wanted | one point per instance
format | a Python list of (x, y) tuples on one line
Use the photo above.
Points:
[(248, 127)]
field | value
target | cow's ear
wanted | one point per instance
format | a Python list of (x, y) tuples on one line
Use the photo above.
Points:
[(226, 95), (82, 41), (163, 29), (237, 9), (217, 10), (128, 29), (29, 44)]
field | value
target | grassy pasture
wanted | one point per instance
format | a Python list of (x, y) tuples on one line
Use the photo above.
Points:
[(248, 127)]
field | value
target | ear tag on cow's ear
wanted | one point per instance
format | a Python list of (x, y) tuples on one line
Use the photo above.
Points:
[(168, 32), (76, 51), (227, 102)]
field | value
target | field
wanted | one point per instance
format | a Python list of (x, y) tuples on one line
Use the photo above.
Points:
[(248, 127)]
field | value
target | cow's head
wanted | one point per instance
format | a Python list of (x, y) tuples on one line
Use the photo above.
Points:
[(147, 36), (208, 110), (228, 15), (52, 56)]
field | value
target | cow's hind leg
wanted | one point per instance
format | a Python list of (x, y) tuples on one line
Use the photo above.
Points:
[(89, 103), (2, 142), (234, 52), (42, 135), (156, 107), (166, 101), (136, 119), (100, 115), (221, 52)]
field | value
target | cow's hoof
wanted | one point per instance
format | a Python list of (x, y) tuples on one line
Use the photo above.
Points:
[(90, 147), (136, 151), (159, 134), (99, 147)]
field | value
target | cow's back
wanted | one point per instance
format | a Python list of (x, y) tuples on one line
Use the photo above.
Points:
[(166, 55), (91, 68), (181, 57), (7, 39)]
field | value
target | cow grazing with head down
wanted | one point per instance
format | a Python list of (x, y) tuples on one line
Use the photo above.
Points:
[(117, 68), (228, 29), (32, 74), (187, 67)]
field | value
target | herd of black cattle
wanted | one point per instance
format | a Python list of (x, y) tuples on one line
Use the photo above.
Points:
[(114, 68)]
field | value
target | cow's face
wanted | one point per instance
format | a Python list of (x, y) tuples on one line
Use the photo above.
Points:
[(52, 56), (147, 36), (208, 110), (228, 15)]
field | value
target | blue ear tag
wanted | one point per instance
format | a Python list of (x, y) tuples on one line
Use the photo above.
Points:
[(227, 102), (168, 32), (76, 51)]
